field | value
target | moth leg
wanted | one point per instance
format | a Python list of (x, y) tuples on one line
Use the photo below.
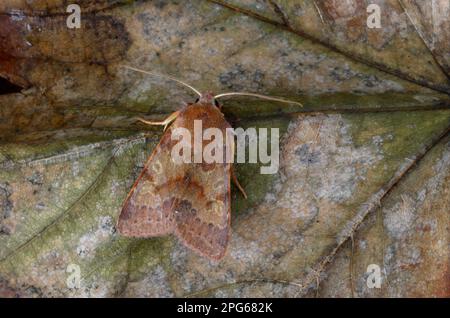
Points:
[(236, 182), (164, 123)]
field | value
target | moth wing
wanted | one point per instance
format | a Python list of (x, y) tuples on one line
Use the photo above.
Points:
[(148, 209), (202, 213)]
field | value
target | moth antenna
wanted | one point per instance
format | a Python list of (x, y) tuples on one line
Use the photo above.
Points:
[(163, 76), (277, 99)]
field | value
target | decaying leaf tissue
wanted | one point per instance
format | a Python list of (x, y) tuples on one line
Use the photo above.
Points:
[(224, 148)]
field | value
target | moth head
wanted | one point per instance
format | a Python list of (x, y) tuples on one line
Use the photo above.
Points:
[(207, 98)]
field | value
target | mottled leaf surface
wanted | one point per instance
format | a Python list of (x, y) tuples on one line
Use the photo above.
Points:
[(364, 166)]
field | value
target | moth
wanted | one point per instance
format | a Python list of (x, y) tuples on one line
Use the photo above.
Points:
[(190, 200)]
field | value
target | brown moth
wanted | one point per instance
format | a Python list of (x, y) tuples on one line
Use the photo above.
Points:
[(189, 200)]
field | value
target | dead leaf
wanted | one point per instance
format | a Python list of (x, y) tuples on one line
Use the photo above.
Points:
[(364, 166)]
